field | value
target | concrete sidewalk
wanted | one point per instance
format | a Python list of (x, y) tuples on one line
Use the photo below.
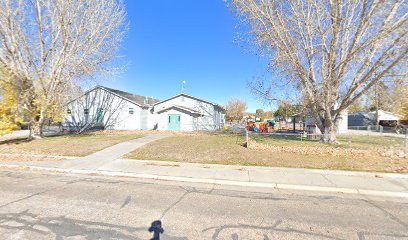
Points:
[(109, 154), (375, 184)]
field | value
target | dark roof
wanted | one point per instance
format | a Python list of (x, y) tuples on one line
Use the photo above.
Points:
[(132, 97), (364, 114), (140, 100)]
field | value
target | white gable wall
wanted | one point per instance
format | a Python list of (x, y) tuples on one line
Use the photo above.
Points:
[(342, 125), (126, 120), (211, 119), (115, 114), (151, 119)]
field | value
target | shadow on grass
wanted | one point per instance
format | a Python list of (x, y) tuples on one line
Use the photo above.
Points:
[(15, 141), (26, 139)]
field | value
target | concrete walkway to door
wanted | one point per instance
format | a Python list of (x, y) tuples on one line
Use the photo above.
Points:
[(95, 160)]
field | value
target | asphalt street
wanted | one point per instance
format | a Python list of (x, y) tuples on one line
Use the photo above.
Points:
[(41, 205)]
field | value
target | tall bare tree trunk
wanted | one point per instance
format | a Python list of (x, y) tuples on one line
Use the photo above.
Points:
[(36, 126), (329, 131), (329, 135), (377, 120)]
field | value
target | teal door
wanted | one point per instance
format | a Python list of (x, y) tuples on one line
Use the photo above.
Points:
[(99, 115), (174, 122)]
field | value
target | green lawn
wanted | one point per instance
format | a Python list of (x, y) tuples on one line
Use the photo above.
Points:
[(68, 145), (361, 154)]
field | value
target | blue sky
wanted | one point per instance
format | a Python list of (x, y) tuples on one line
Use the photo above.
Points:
[(172, 41)]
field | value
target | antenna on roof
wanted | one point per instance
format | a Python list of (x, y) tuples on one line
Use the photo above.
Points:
[(182, 86)]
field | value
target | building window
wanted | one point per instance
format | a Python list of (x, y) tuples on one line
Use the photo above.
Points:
[(131, 111), (68, 111), (86, 111)]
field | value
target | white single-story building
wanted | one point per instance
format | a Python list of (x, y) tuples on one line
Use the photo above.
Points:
[(342, 124), (108, 108)]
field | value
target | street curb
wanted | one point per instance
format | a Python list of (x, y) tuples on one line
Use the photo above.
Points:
[(306, 170), (277, 186)]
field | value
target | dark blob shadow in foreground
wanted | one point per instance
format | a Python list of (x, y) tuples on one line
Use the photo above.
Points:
[(156, 229)]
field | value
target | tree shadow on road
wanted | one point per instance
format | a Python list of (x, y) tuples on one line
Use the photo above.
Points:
[(63, 227)]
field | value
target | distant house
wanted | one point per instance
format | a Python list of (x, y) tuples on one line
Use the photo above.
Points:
[(360, 119), (108, 108)]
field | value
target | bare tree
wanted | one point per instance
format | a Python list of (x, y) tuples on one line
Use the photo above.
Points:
[(259, 113), (235, 109), (388, 96), (54, 45), (356, 106), (332, 51)]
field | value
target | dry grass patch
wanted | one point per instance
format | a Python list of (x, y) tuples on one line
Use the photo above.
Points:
[(26, 158), (227, 149), (348, 145), (68, 145)]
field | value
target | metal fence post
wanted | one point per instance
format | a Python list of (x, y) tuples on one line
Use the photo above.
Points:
[(246, 137)]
